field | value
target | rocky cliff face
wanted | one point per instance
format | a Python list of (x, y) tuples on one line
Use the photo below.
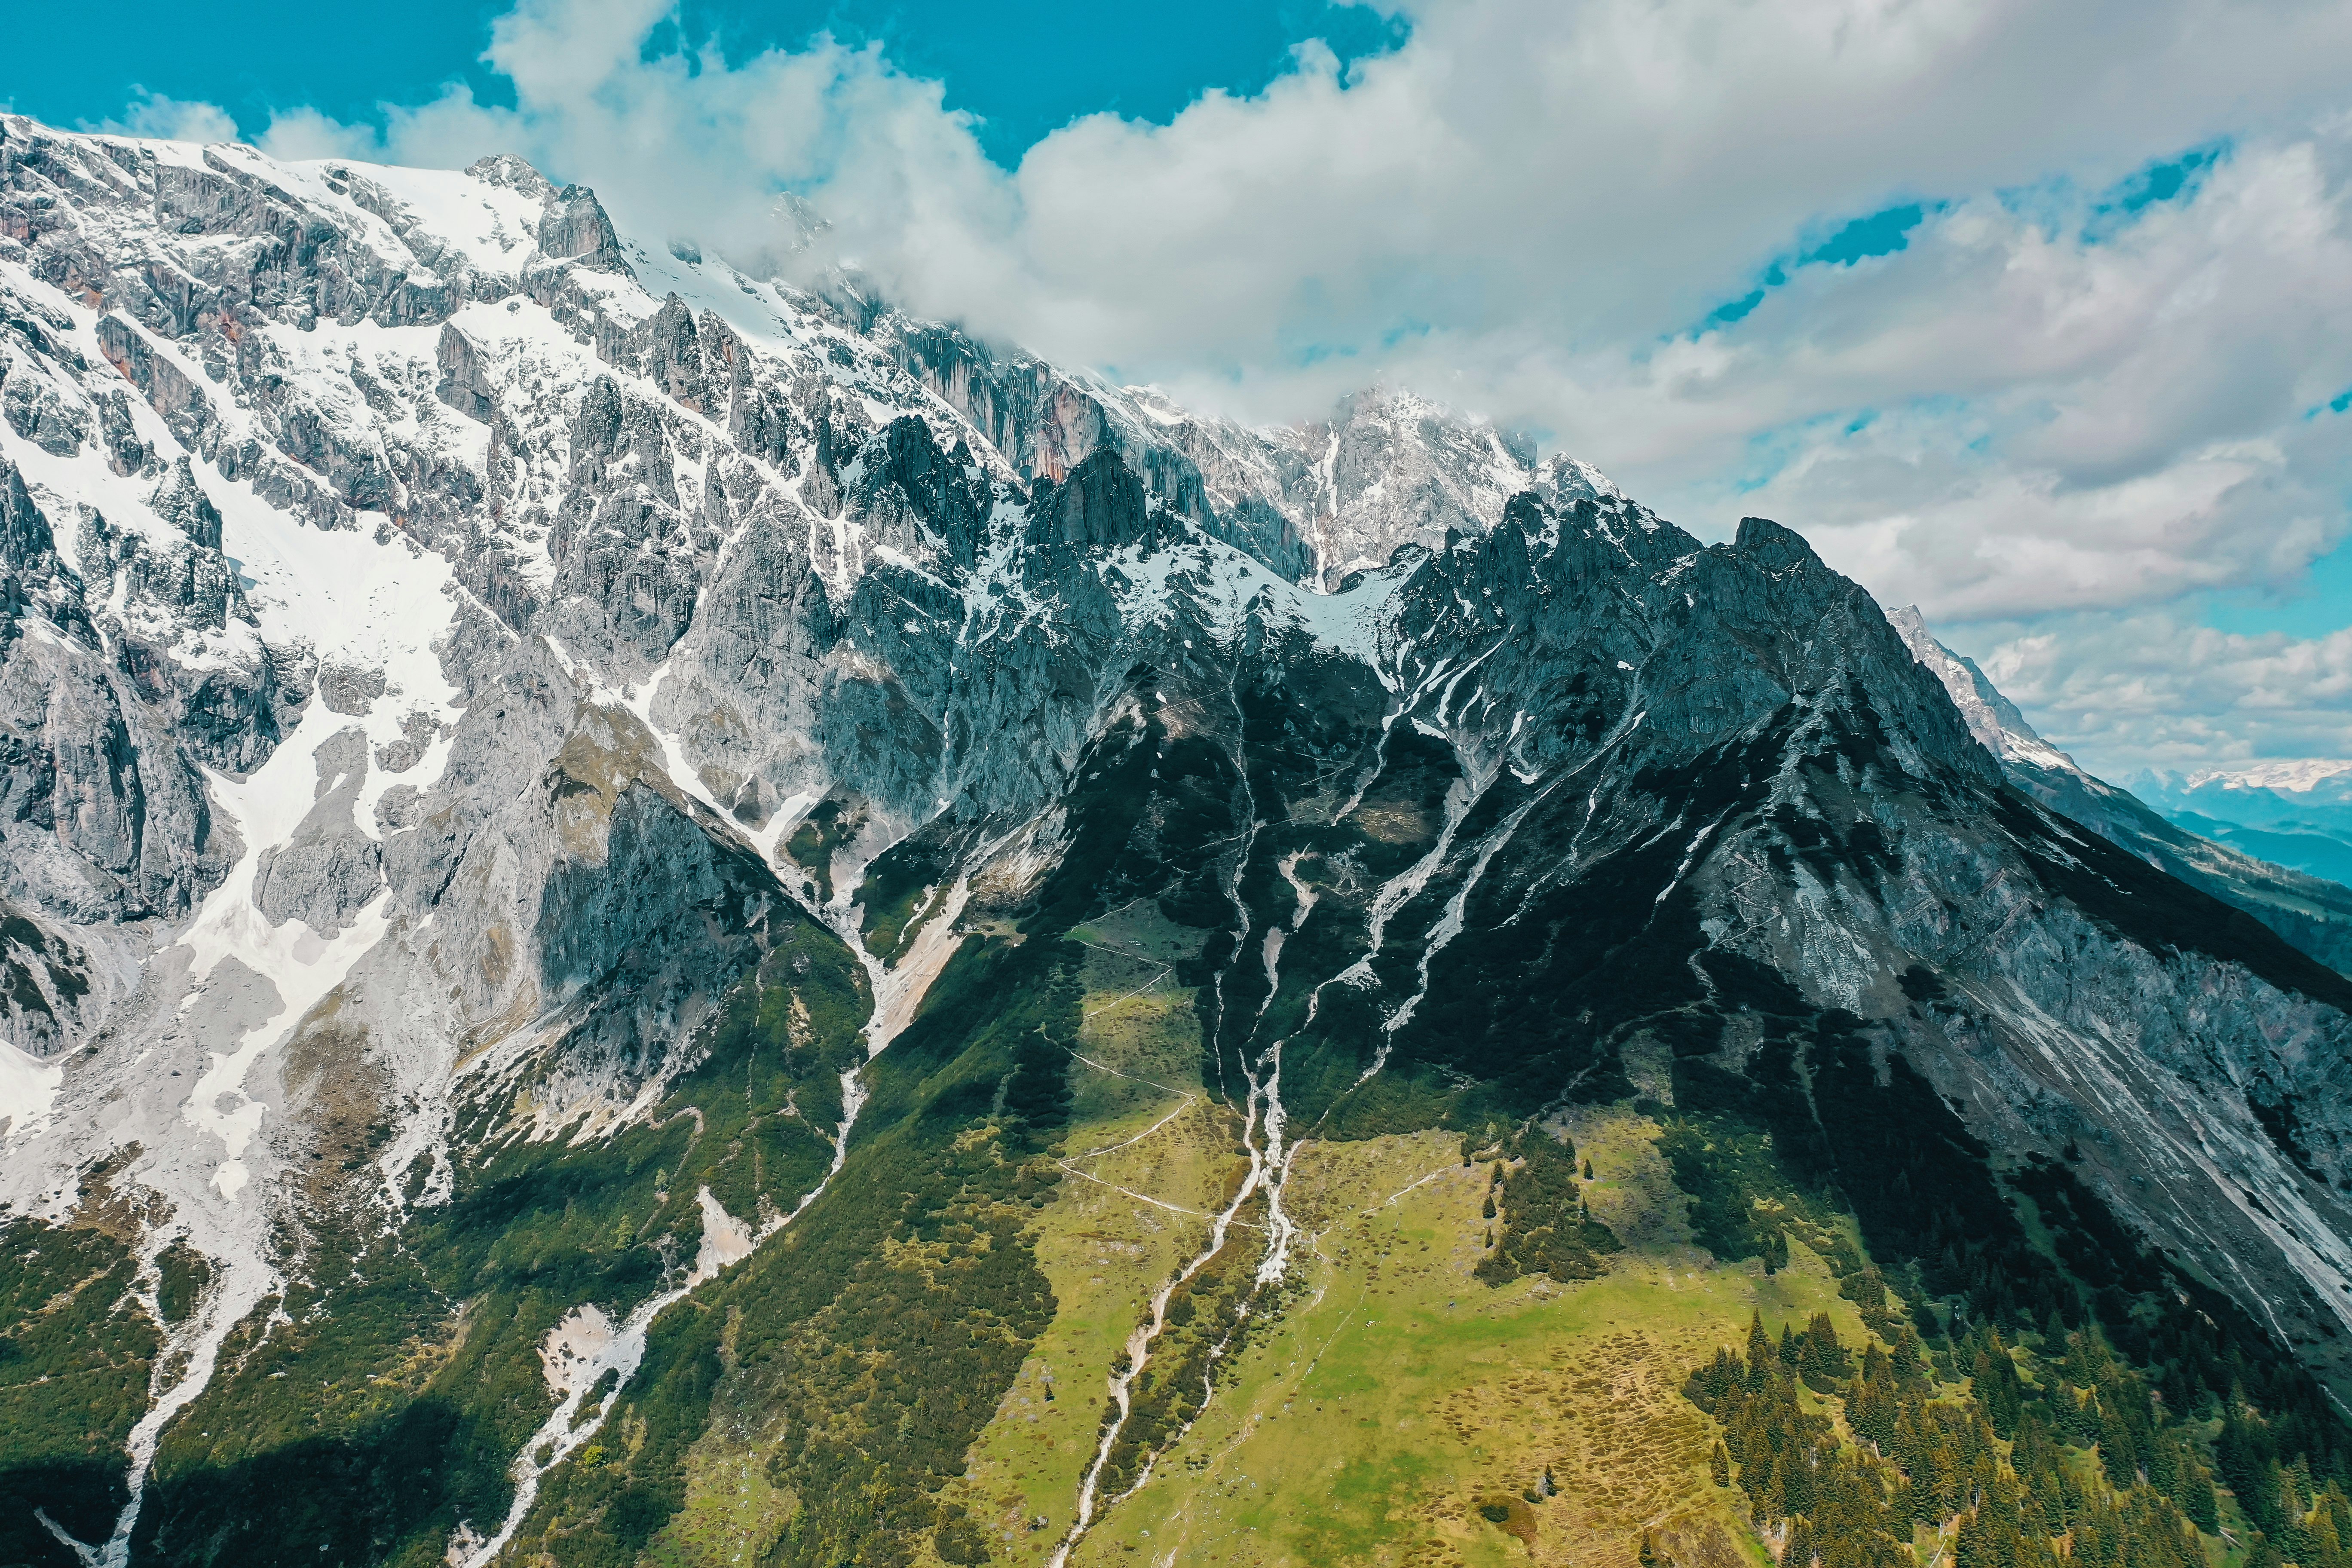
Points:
[(502, 725), (2313, 914)]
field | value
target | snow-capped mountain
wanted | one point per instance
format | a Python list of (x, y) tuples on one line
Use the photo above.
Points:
[(2295, 812), (2324, 777), (565, 807)]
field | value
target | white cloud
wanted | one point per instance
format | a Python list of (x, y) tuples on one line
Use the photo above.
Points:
[(2068, 424), (686, 146), (170, 118), (1530, 207), (296, 134), (2150, 690)]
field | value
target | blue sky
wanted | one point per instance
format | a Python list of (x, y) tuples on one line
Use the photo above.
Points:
[(2311, 604), (2038, 317), (1023, 67)]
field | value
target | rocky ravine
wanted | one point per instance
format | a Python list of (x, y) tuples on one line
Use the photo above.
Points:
[(502, 724)]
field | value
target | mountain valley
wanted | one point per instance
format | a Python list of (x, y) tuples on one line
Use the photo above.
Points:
[(650, 916)]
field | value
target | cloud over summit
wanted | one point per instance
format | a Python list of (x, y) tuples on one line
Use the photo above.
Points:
[(2097, 374)]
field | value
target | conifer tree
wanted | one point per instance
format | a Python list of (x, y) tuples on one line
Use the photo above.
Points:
[(2199, 1501), (1820, 1360), (1996, 1385), (2163, 1461), (1970, 1546), (1908, 1360), (1925, 1455), (2116, 1456), (2324, 1533)]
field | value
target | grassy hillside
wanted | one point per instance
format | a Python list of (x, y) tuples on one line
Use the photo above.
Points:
[(1745, 1292), (1392, 1401), (1493, 1346)]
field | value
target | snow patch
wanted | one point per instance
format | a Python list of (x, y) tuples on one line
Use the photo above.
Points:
[(2299, 776), (28, 1088)]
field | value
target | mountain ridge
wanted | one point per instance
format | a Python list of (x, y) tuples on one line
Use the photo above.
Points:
[(2314, 913), (674, 904), (2297, 813)]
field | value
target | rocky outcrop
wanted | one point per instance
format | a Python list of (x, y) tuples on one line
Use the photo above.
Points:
[(32, 581), (576, 229), (328, 869), (948, 493), (34, 412), (1314, 502), (1099, 502), (475, 641), (463, 386), (102, 817), (102, 814), (2311, 913), (185, 410)]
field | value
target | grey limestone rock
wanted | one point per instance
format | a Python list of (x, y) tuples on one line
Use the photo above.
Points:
[(463, 385), (1100, 501), (32, 581), (328, 870), (48, 983), (2311, 914), (184, 405), (507, 170), (348, 689), (670, 353), (118, 434), (576, 229), (101, 817), (181, 502), (34, 411)]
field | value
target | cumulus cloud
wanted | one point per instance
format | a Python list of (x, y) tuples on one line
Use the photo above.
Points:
[(2050, 402), (2051, 421), (170, 118), (2123, 693), (682, 144)]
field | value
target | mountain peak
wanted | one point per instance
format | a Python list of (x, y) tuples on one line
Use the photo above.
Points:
[(641, 908), (513, 172)]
